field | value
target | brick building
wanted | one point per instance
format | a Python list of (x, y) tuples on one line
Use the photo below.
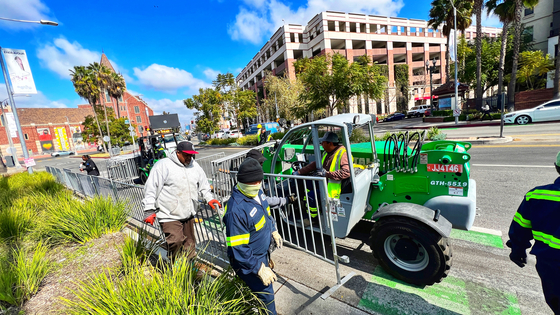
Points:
[(385, 40), (131, 106), (48, 129)]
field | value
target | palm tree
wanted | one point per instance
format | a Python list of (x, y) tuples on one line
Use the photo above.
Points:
[(519, 6), (441, 13), (478, 12), (102, 76), (116, 88), (505, 10), (86, 86)]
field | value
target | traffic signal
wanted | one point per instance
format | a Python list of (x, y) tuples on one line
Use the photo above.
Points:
[(192, 122)]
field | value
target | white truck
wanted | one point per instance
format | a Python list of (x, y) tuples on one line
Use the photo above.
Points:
[(417, 111)]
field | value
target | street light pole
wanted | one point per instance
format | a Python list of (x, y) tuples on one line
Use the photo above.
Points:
[(431, 70), (14, 111), (72, 145), (10, 95)]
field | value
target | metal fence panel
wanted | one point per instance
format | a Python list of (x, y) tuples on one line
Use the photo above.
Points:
[(87, 185)]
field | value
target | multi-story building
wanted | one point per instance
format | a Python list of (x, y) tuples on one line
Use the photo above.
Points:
[(131, 106), (538, 24), (385, 40)]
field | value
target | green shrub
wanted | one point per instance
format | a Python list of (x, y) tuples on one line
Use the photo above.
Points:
[(435, 134), (247, 140), (68, 219), (358, 135), (142, 289), (442, 113), (220, 141), (138, 248), (278, 135), (19, 218), (20, 279)]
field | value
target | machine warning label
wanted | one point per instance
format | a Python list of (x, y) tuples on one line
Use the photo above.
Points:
[(455, 191), (445, 168), (423, 158), (390, 177)]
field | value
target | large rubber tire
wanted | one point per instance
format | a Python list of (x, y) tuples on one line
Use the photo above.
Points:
[(522, 120), (411, 251)]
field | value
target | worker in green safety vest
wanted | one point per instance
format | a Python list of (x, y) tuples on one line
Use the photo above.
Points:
[(335, 164)]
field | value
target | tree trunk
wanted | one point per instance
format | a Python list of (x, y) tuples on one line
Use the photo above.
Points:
[(107, 125), (98, 125), (516, 39), (502, 59), (557, 73), (478, 8)]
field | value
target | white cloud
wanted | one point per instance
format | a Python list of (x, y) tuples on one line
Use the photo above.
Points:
[(174, 107), (254, 24), (168, 79), (211, 74), (32, 10), (62, 55), (489, 20), (38, 100)]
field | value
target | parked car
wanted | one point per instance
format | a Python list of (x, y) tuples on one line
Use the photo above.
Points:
[(395, 116), (232, 134), (61, 153), (548, 111), (417, 111), (218, 135)]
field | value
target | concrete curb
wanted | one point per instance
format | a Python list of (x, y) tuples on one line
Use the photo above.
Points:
[(483, 140), (463, 125)]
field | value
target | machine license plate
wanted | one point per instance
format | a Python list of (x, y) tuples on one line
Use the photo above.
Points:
[(445, 168)]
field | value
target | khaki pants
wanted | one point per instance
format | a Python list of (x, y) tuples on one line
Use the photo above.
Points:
[(179, 236)]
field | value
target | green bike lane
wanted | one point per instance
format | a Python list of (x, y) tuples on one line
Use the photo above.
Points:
[(482, 280)]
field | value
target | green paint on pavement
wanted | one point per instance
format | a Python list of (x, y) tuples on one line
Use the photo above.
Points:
[(478, 237), (387, 295)]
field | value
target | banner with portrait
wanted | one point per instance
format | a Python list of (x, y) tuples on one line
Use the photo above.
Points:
[(19, 71)]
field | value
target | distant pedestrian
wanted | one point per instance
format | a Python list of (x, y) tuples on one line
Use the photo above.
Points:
[(486, 112), (538, 218), (89, 166)]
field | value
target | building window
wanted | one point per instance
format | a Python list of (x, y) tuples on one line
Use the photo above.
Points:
[(26, 137), (292, 37), (529, 11), (120, 98), (138, 119), (528, 32), (137, 109), (107, 97)]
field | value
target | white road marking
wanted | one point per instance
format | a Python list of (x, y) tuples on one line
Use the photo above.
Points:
[(487, 231), (504, 165)]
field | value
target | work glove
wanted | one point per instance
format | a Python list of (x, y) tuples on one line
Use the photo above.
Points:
[(214, 204), (292, 199), (277, 239), (267, 275), (518, 258), (150, 216), (320, 173)]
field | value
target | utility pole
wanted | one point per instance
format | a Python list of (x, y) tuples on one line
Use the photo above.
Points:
[(9, 136), (431, 70)]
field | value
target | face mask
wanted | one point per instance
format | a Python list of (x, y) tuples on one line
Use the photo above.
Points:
[(249, 190)]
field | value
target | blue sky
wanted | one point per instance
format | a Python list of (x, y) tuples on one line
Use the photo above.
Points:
[(166, 50)]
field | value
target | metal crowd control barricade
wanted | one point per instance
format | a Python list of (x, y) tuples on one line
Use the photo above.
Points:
[(123, 168), (88, 187), (306, 224)]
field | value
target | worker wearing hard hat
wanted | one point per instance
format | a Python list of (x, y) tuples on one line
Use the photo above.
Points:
[(538, 218), (250, 229)]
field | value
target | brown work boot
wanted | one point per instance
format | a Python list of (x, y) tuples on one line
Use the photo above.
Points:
[(205, 269), (271, 263)]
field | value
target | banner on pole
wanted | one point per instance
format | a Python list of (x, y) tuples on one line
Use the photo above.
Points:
[(19, 71), (452, 47), (11, 124)]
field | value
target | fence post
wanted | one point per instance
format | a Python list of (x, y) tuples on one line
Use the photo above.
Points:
[(115, 193)]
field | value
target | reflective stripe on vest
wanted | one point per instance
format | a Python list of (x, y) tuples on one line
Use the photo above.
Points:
[(522, 221), (550, 195), (548, 239), (237, 240), (334, 186)]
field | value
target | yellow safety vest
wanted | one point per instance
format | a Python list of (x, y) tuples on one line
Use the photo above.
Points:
[(334, 186)]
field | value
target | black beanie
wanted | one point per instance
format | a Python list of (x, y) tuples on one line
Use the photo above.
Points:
[(250, 171)]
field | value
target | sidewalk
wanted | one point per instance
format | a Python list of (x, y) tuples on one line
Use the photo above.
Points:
[(451, 124)]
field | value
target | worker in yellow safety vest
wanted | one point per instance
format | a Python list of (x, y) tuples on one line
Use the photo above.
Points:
[(335, 167)]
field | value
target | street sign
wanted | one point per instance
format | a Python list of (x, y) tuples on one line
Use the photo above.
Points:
[(106, 139), (133, 134), (131, 128), (29, 162), (127, 121), (456, 112)]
